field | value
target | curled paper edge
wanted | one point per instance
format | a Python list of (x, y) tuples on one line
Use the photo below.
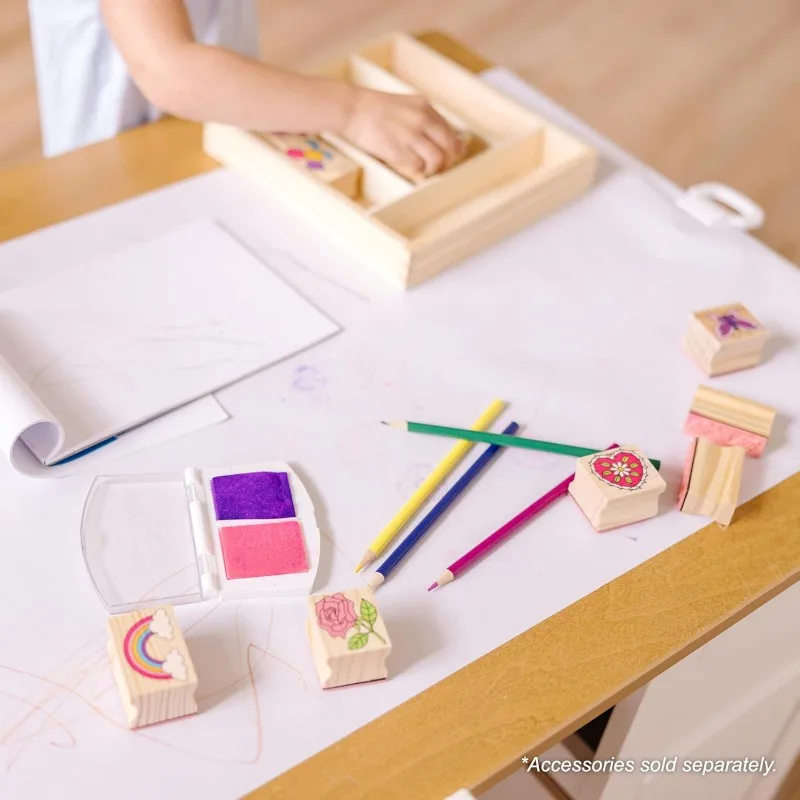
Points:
[(30, 435)]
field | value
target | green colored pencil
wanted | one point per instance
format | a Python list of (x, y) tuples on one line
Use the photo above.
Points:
[(499, 439)]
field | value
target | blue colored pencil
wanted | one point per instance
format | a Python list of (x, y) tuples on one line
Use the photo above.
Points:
[(402, 550)]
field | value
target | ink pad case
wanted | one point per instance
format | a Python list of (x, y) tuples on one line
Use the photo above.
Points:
[(244, 532)]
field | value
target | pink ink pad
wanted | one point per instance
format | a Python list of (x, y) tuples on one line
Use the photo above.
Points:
[(263, 549)]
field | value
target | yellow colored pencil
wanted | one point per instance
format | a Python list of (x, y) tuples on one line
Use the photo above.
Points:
[(428, 486)]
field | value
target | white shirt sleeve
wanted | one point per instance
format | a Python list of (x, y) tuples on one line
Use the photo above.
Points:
[(85, 91)]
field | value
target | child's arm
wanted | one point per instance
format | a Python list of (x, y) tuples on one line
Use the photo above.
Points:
[(204, 83)]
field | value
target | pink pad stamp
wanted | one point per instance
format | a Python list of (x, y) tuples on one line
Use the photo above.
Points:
[(724, 435), (263, 549)]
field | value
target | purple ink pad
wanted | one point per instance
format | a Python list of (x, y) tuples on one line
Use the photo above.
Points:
[(253, 495)]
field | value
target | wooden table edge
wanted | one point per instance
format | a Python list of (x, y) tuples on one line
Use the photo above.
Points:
[(471, 728)]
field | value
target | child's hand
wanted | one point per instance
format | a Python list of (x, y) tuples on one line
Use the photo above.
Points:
[(188, 79), (404, 131)]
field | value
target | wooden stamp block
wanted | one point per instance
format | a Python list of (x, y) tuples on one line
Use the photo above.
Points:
[(349, 641), (616, 487), (152, 667), (711, 481), (725, 339), (728, 420), (318, 156)]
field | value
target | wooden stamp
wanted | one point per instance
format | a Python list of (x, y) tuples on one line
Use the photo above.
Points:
[(152, 667), (711, 481), (349, 641), (616, 487), (321, 158), (725, 339), (727, 420)]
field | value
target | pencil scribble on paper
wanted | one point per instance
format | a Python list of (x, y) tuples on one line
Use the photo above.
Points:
[(168, 349), (54, 708)]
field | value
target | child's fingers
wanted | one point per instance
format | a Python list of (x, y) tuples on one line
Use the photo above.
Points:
[(410, 163), (448, 141), (431, 154)]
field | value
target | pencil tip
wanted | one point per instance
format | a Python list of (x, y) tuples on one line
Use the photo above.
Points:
[(366, 560), (375, 580), (433, 586)]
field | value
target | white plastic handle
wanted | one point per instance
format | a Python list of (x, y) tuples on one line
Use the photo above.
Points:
[(720, 205)]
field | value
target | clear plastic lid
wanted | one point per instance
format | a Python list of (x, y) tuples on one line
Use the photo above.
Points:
[(137, 542)]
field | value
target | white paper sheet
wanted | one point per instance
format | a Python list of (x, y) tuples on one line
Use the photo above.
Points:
[(104, 347), (576, 322)]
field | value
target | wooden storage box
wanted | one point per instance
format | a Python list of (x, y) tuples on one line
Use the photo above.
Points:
[(518, 167)]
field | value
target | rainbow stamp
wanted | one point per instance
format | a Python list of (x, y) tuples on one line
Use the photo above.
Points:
[(152, 666), (135, 648)]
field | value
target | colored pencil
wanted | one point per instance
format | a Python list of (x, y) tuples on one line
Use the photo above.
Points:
[(435, 514), (428, 486), (498, 438), (503, 532)]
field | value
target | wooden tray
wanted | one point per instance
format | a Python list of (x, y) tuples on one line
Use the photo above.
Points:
[(518, 168)]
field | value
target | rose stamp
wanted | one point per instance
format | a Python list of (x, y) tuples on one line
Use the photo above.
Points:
[(336, 615), (349, 640)]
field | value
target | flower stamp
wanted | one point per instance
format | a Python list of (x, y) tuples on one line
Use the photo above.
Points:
[(336, 615), (617, 487), (620, 468), (348, 637)]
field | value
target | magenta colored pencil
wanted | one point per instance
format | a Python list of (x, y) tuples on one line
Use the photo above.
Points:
[(503, 532)]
